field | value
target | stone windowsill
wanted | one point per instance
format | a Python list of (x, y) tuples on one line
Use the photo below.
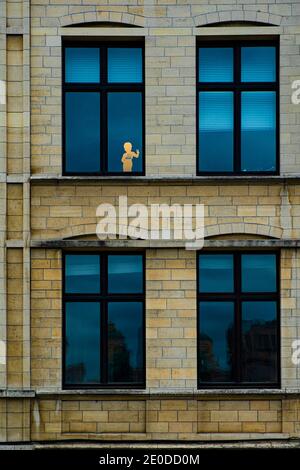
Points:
[(149, 393), (169, 179), (170, 393)]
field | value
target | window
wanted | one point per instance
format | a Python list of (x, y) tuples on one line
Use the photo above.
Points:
[(238, 108), (238, 319), (103, 88), (104, 337)]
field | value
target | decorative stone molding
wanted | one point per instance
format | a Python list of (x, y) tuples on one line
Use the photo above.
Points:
[(102, 16), (245, 229), (220, 17)]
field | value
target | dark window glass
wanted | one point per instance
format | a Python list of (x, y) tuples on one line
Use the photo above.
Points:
[(258, 131), (259, 273), (103, 117), (125, 345), (216, 131), (259, 341), (82, 65), (124, 125), (215, 64), (82, 342), (125, 274), (258, 64), (238, 323), (82, 274), (237, 99), (216, 341), (103, 324), (216, 273), (125, 65), (82, 115)]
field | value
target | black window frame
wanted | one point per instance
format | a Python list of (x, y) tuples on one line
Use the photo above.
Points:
[(237, 87), (103, 87), (103, 298), (237, 297)]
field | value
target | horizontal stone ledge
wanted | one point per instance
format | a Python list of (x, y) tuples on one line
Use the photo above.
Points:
[(241, 244), (8, 393), (175, 393), (15, 30), (8, 446), (15, 244), (151, 392), (166, 179), (16, 179), (265, 440)]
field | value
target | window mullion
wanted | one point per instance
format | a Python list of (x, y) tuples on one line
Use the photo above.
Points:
[(237, 131), (237, 110), (104, 345), (104, 321), (103, 133), (104, 117), (238, 322)]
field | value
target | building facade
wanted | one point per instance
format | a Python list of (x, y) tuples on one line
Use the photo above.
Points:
[(164, 102)]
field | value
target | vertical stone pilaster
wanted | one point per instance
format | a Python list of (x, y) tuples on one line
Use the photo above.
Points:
[(3, 141), (26, 193)]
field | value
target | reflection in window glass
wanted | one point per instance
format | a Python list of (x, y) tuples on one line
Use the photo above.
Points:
[(82, 65), (216, 131), (216, 341), (82, 342), (216, 273), (125, 65), (125, 274), (259, 273), (258, 131), (125, 346), (215, 64), (124, 126), (82, 122), (258, 64), (82, 274), (259, 341)]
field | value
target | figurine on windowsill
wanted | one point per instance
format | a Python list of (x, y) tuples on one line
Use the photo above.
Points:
[(128, 156)]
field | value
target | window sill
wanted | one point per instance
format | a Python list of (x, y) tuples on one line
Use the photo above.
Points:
[(170, 179), (149, 393)]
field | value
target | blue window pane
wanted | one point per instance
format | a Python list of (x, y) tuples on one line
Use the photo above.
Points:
[(125, 65), (258, 64), (82, 121), (216, 341), (215, 64), (125, 274), (125, 342), (82, 274), (82, 343), (82, 65), (216, 131), (258, 131), (259, 341), (125, 132), (259, 273), (216, 273)]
